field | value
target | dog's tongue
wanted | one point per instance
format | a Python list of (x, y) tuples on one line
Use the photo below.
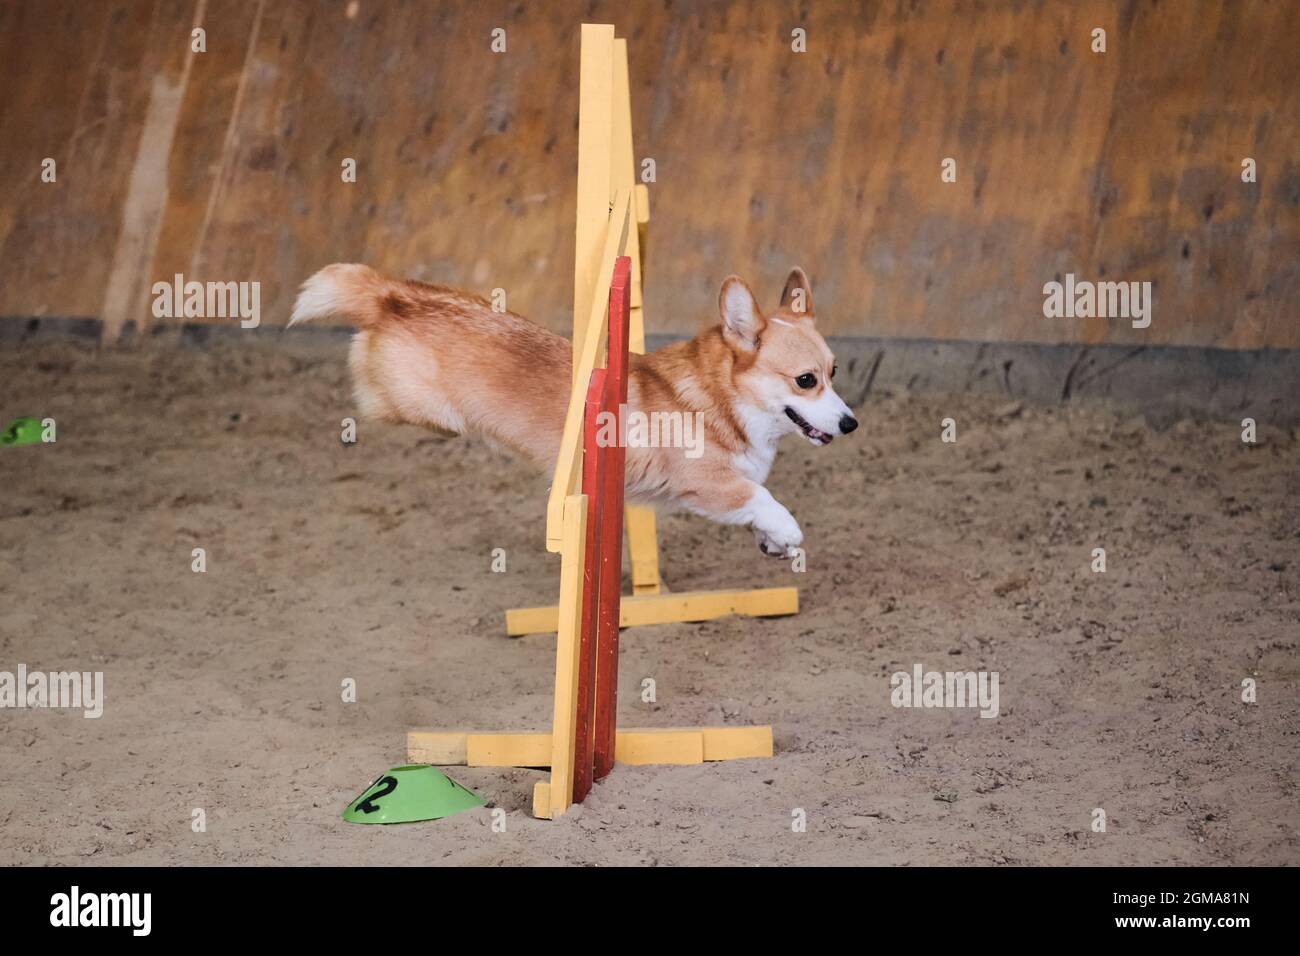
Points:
[(818, 435)]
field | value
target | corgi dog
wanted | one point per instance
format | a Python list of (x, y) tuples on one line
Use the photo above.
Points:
[(433, 356)]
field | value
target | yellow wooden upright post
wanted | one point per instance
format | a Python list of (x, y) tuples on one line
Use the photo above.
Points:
[(642, 539), (623, 176), (595, 133), (552, 798)]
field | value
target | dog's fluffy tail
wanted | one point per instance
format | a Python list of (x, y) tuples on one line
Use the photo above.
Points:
[(345, 290)]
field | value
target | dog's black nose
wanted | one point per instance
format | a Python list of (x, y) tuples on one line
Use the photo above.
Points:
[(847, 424)]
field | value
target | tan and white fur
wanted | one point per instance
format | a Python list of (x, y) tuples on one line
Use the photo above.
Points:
[(434, 356)]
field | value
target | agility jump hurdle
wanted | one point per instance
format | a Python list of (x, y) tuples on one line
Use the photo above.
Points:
[(584, 742), (585, 509), (606, 167)]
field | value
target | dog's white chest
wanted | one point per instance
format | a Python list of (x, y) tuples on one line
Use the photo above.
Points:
[(755, 461)]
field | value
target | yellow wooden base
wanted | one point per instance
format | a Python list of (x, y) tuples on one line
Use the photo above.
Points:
[(640, 609), (668, 745), (644, 745)]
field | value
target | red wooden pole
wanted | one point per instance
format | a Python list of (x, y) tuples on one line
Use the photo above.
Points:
[(611, 523), (593, 465)]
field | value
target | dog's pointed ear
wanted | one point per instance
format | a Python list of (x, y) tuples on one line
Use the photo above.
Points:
[(797, 295), (742, 323)]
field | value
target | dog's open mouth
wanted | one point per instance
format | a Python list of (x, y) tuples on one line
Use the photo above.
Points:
[(814, 435)]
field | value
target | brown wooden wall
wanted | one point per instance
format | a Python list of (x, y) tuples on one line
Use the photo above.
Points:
[(225, 165)]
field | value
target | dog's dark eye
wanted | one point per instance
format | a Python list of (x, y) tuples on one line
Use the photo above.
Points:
[(806, 380), (834, 369)]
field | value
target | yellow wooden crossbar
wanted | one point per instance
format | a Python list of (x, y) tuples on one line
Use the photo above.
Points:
[(568, 464)]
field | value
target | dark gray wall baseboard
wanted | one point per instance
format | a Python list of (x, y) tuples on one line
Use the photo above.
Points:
[(1161, 382), (17, 330)]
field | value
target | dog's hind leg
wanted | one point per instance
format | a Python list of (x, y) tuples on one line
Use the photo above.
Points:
[(395, 382)]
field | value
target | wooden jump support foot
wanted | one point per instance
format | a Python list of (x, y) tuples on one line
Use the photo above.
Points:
[(644, 745), (641, 609)]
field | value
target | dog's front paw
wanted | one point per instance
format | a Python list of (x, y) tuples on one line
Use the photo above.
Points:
[(779, 542)]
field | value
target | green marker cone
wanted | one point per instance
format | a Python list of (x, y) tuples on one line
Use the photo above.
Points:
[(411, 793), (22, 431)]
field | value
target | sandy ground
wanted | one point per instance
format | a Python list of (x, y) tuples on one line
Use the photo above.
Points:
[(1119, 691)]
